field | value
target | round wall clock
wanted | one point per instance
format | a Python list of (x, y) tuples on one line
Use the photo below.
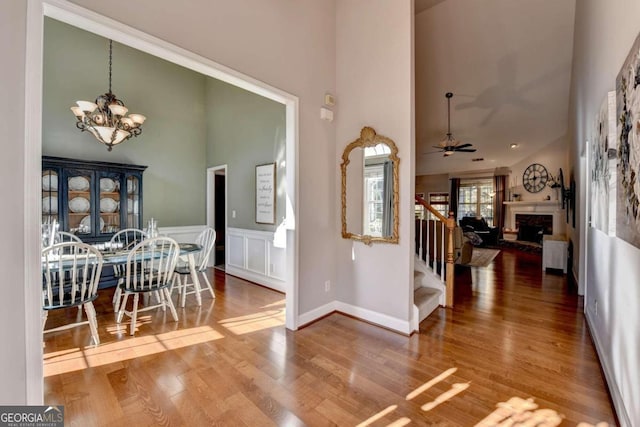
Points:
[(534, 178)]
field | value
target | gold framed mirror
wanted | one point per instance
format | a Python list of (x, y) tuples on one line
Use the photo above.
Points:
[(370, 189)]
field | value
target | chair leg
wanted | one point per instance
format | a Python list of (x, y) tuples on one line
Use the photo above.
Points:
[(117, 295), (168, 301), (160, 298), (183, 291), (45, 314), (122, 307), (206, 279), (134, 313), (93, 322)]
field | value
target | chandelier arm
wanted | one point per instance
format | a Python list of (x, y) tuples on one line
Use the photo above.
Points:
[(107, 119), (110, 62)]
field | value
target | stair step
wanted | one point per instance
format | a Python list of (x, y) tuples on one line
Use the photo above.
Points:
[(427, 300)]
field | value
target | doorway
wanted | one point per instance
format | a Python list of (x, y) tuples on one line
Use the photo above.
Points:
[(105, 27), (217, 212)]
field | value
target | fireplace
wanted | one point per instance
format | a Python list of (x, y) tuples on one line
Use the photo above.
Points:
[(535, 213), (531, 227)]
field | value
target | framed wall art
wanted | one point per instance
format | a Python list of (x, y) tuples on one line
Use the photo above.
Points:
[(603, 166), (266, 194), (628, 147)]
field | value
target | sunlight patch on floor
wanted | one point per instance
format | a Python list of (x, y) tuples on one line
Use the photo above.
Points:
[(254, 322), (278, 304), (378, 416), (68, 361), (521, 411), (455, 389), (426, 386)]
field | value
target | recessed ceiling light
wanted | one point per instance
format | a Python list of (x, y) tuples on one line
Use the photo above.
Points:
[(514, 146)]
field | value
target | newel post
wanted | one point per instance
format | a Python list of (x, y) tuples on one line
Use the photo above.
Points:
[(451, 223)]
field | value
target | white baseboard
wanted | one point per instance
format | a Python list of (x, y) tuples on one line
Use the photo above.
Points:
[(393, 323), (260, 279), (316, 313), (616, 397)]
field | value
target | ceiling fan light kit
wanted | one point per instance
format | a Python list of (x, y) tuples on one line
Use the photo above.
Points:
[(450, 145)]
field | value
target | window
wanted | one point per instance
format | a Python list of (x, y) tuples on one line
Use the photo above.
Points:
[(374, 199), (419, 209), (440, 202), (475, 198)]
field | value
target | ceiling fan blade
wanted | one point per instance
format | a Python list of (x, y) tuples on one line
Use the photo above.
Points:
[(440, 147), (467, 150), (430, 152), (464, 146)]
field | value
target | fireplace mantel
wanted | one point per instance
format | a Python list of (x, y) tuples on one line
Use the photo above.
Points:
[(533, 207), (545, 203)]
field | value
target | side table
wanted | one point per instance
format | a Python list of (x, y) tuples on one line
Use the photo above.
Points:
[(554, 252)]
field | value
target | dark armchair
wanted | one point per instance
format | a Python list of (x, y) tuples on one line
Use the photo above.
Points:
[(489, 235)]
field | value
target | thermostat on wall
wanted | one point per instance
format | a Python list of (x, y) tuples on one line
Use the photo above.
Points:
[(326, 114)]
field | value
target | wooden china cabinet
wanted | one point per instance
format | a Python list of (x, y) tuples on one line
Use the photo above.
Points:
[(91, 199)]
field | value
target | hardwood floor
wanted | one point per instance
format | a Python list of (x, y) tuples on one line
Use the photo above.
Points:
[(515, 334)]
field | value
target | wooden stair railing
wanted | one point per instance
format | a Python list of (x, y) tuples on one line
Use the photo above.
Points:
[(446, 250)]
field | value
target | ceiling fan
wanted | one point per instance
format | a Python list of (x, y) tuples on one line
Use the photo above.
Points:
[(450, 145)]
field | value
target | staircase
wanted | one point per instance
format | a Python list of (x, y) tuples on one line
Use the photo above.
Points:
[(433, 265)]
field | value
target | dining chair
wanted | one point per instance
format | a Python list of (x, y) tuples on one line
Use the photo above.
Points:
[(128, 237), (125, 239), (149, 268), (206, 239), (70, 276), (65, 236)]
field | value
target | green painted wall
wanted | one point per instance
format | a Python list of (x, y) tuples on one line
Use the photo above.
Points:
[(257, 137), (193, 122), (173, 141)]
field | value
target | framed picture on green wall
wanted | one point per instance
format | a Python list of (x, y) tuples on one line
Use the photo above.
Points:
[(266, 194)]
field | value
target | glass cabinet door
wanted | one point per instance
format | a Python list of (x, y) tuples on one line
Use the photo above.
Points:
[(50, 196), (109, 202), (133, 202), (80, 205)]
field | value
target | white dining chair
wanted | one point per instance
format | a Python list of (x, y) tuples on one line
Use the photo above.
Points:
[(70, 276), (65, 236), (149, 268), (206, 239), (128, 237), (124, 239)]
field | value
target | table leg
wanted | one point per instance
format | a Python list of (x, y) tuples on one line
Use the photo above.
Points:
[(194, 278)]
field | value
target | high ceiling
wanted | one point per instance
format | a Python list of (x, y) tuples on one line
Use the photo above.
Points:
[(508, 64)]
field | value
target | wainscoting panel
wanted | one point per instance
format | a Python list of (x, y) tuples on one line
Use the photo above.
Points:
[(184, 234), (235, 250), (251, 255), (256, 255), (278, 262)]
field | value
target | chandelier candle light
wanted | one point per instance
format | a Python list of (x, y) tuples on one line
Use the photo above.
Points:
[(107, 118)]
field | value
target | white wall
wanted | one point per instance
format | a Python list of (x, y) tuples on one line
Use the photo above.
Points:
[(375, 88), (552, 156), (604, 33), (289, 45), (13, 355)]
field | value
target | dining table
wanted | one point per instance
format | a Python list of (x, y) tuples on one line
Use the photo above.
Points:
[(117, 257)]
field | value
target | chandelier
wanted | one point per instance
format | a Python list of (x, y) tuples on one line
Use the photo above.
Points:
[(107, 118)]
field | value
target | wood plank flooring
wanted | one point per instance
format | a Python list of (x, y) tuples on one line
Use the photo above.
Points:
[(516, 345)]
